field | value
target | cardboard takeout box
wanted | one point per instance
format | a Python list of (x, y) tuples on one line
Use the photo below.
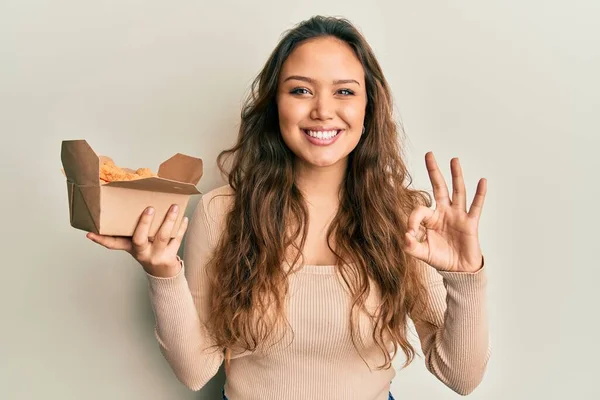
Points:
[(115, 208)]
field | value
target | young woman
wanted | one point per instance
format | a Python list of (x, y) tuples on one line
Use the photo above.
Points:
[(301, 274)]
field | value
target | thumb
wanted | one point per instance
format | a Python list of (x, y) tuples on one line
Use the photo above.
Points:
[(415, 248)]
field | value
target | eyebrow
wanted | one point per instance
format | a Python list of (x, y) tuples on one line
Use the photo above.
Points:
[(309, 80)]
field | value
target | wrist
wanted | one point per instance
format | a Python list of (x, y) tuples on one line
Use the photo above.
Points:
[(168, 271), (473, 269)]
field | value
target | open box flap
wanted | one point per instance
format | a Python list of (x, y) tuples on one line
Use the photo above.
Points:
[(182, 168), (84, 207), (80, 162), (179, 174)]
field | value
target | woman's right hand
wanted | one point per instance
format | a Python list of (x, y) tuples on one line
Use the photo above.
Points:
[(159, 256)]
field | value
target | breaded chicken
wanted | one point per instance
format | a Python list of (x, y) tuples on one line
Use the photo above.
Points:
[(110, 172)]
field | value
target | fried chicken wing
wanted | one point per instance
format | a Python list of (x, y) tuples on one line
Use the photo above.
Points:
[(110, 172), (144, 172)]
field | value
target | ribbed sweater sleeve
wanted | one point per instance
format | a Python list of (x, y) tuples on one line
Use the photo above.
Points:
[(454, 336), (181, 308)]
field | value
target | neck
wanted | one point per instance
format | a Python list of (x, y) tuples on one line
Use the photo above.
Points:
[(320, 184)]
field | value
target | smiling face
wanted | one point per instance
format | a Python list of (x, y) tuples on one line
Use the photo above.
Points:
[(321, 101)]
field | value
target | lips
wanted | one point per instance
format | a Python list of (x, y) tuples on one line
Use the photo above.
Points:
[(323, 141)]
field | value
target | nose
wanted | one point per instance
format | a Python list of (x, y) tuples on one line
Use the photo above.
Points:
[(323, 108)]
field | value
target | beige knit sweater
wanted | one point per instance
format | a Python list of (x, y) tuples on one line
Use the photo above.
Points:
[(318, 360)]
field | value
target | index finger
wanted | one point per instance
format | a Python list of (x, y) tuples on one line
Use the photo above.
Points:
[(440, 190), (139, 239), (110, 242)]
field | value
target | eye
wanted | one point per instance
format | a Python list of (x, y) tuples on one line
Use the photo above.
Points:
[(346, 92), (299, 91)]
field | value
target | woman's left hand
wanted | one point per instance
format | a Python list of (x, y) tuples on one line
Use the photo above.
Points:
[(451, 240)]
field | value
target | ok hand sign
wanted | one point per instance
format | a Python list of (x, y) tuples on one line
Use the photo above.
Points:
[(451, 240)]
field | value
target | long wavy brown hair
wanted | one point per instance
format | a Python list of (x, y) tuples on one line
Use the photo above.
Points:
[(368, 229)]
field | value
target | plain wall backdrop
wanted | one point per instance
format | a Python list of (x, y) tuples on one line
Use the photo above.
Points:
[(510, 87)]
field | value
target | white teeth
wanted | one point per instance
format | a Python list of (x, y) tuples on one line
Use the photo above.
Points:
[(322, 134)]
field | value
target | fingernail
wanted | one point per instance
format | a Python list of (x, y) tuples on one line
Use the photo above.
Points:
[(174, 208), (149, 210), (412, 233)]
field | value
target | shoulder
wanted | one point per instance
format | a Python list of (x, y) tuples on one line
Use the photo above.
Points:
[(218, 198), (209, 215), (216, 204)]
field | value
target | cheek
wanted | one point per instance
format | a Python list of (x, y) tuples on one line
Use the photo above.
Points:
[(353, 113), (292, 112), (289, 118)]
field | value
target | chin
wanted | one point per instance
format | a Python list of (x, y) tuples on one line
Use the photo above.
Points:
[(323, 162)]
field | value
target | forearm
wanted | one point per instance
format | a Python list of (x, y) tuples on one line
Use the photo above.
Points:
[(458, 351), (183, 339)]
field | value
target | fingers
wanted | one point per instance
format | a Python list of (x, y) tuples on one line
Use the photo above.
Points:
[(139, 243), (111, 242), (477, 205), (440, 190), (176, 241), (459, 192), (163, 236), (420, 215), (415, 248), (140, 235)]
